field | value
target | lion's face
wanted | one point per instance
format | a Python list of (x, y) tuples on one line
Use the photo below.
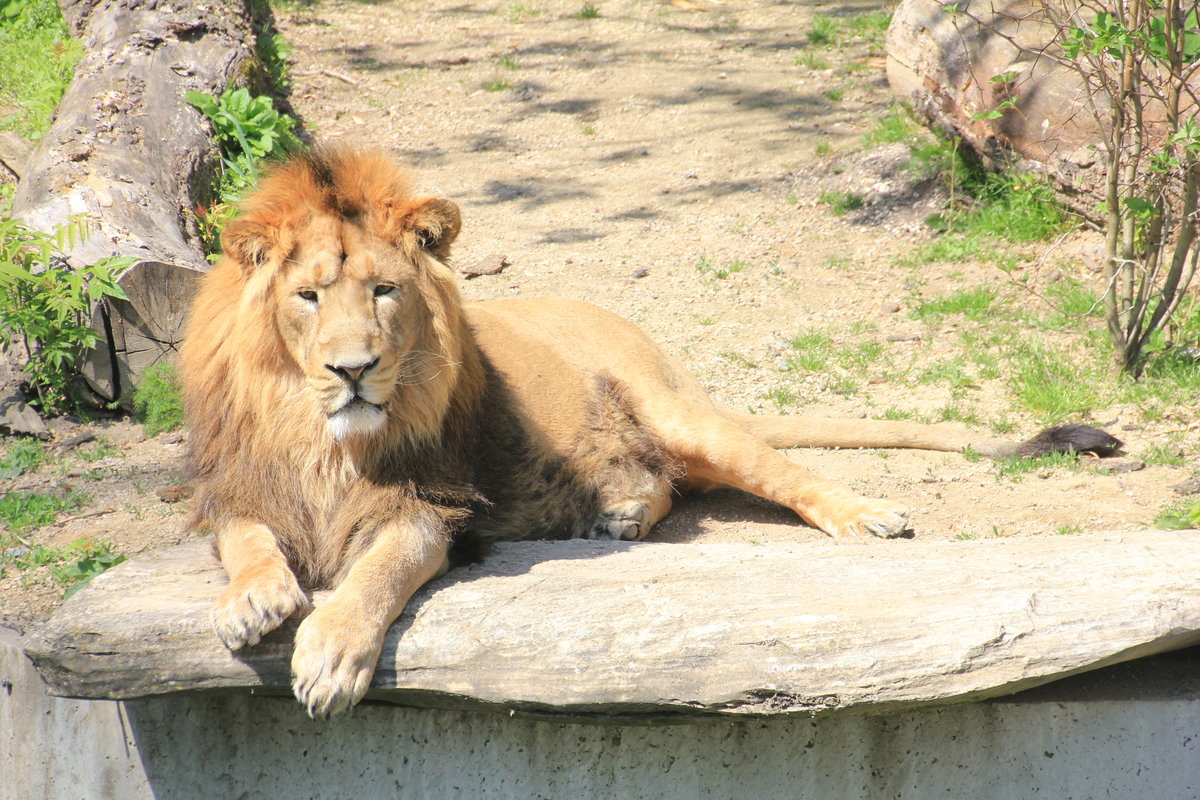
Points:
[(350, 313)]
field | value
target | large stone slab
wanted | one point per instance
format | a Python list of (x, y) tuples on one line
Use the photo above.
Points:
[(621, 629)]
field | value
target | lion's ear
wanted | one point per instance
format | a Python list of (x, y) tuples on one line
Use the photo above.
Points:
[(435, 223), (246, 242)]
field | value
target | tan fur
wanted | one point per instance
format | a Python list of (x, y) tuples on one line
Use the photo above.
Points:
[(487, 421)]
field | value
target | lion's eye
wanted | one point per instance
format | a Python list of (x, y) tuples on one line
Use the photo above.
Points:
[(308, 295), (384, 289)]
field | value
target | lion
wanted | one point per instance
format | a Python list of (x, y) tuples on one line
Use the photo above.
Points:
[(355, 425)]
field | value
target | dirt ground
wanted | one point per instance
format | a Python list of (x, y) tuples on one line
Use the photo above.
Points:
[(606, 159)]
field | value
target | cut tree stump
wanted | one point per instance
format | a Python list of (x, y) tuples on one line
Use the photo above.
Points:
[(128, 153), (607, 629)]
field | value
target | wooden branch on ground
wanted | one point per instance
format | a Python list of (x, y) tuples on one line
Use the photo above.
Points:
[(609, 629), (130, 154)]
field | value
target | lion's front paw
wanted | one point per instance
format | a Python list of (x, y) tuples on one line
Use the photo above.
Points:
[(333, 661), (253, 605), (854, 516)]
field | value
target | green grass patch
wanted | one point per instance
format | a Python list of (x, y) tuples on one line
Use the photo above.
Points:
[(1163, 455), (156, 400), (783, 397), (37, 64), (23, 455), (895, 125), (22, 511), (1015, 469), (1053, 386), (813, 351), (974, 304), (589, 11)]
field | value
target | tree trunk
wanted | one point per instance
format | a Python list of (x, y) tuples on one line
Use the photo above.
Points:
[(130, 154)]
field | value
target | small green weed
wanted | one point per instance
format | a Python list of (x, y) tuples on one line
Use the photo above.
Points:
[(811, 61), (156, 401), (824, 30), (737, 359), (507, 62), (783, 397), (99, 451), (897, 414), (1067, 530), (710, 270), (813, 351), (834, 94), (840, 202), (23, 455), (822, 148), (589, 11), (519, 12), (496, 86)]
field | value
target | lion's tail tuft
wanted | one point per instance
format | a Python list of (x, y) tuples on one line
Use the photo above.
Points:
[(1069, 439)]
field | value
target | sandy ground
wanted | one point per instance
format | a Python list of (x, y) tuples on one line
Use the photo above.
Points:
[(625, 160)]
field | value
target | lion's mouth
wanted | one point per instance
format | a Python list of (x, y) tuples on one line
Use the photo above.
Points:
[(359, 416)]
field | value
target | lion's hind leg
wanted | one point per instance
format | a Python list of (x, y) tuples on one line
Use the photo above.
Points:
[(717, 452)]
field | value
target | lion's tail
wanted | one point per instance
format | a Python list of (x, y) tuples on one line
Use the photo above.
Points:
[(784, 432)]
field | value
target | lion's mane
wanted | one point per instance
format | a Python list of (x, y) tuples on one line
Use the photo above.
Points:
[(259, 447)]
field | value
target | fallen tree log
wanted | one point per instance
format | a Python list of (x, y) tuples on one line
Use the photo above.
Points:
[(130, 155), (989, 73), (621, 629)]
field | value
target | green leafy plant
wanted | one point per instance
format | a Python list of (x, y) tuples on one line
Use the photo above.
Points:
[(247, 129), (156, 401), (1178, 517), (23, 455), (589, 11), (81, 561), (46, 305)]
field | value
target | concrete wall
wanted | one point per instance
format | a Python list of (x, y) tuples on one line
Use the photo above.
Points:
[(1122, 733)]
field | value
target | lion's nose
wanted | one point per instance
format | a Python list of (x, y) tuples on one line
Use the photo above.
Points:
[(351, 373)]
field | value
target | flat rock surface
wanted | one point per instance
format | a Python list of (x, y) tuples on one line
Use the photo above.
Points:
[(650, 629)]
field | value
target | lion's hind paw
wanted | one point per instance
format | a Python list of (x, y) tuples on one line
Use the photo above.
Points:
[(880, 518), (630, 521)]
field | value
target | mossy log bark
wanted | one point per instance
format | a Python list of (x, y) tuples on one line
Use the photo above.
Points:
[(600, 629), (126, 152)]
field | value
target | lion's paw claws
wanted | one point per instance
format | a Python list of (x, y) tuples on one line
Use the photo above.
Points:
[(243, 614)]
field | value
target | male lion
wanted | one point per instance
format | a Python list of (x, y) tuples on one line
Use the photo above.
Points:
[(354, 425)]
